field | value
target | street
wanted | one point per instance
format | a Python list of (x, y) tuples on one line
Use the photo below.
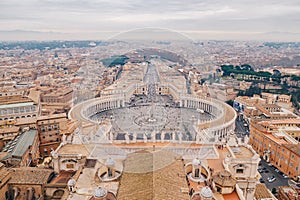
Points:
[(240, 130), (280, 180)]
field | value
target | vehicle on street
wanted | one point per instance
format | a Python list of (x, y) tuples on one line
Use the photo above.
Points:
[(285, 176), (271, 179), (261, 170), (261, 180)]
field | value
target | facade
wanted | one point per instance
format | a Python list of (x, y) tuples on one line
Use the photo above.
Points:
[(14, 107), (276, 146), (28, 183), (291, 160), (50, 130)]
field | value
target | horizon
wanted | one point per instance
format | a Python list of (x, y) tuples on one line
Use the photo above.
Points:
[(29, 35)]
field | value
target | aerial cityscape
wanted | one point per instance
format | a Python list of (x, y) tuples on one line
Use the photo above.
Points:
[(137, 100)]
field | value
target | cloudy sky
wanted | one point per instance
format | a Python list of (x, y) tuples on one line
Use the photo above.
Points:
[(207, 19)]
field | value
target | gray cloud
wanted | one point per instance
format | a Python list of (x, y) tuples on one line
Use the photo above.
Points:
[(87, 16)]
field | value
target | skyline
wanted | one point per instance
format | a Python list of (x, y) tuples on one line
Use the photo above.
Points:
[(101, 19)]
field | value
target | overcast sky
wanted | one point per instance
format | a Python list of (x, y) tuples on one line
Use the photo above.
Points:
[(206, 18)]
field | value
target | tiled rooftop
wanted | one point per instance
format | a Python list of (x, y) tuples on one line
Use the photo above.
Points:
[(242, 152), (13, 99), (153, 175), (29, 175), (261, 192), (74, 149)]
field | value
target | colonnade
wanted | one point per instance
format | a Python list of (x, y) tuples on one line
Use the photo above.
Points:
[(216, 129), (102, 105)]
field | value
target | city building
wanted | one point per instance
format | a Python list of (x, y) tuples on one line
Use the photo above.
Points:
[(28, 183), (14, 107), (269, 106), (22, 151), (275, 145), (51, 129), (222, 92), (4, 178), (287, 193)]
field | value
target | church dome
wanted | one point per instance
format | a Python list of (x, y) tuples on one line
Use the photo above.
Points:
[(100, 192), (196, 162), (71, 182), (206, 192)]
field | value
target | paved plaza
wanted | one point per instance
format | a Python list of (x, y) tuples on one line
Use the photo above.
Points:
[(148, 117)]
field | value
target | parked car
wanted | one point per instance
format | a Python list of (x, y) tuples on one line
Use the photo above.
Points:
[(271, 179), (277, 170), (273, 167), (262, 170), (285, 176), (261, 180)]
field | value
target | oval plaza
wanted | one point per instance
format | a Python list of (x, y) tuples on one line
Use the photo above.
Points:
[(151, 102)]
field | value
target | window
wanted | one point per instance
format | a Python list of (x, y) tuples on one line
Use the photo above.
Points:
[(70, 166), (296, 168), (55, 126)]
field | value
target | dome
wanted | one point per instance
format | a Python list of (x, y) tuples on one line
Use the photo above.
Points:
[(196, 162), (100, 192), (71, 182), (206, 192), (110, 162)]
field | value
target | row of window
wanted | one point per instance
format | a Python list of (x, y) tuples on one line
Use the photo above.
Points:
[(49, 127), (18, 117), (18, 110)]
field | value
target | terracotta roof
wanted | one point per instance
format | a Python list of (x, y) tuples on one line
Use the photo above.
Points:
[(14, 99), (261, 192), (74, 149), (224, 178), (54, 116), (153, 175), (29, 175)]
